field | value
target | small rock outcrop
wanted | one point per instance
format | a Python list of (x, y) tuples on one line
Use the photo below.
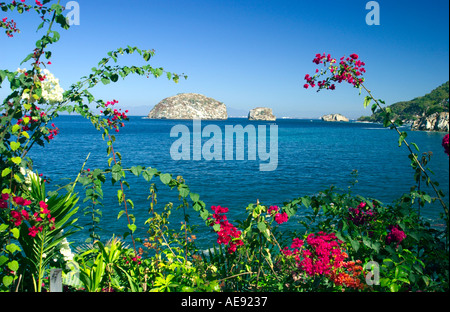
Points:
[(189, 106), (261, 113), (335, 117), (434, 122)]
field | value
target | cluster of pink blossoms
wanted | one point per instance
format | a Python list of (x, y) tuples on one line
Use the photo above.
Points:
[(35, 116), (38, 220), (228, 233), (395, 235), (114, 116), (361, 215), (136, 259), (350, 69), (446, 144), (323, 254), (279, 217), (11, 26)]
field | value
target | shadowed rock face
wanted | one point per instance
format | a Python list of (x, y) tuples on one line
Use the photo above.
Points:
[(335, 117), (261, 113), (189, 106), (434, 122)]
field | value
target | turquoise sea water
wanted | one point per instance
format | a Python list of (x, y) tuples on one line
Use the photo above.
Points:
[(312, 155)]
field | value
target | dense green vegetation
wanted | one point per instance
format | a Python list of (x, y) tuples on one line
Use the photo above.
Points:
[(434, 102)]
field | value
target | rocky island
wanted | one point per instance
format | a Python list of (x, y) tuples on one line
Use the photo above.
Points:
[(335, 117), (261, 113), (189, 106)]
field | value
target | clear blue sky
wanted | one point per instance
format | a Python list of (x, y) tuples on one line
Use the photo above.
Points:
[(250, 53)]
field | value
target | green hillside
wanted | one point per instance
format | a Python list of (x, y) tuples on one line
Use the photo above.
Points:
[(435, 101)]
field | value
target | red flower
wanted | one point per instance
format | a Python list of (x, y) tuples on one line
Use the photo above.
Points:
[(17, 218), (228, 233), (33, 231), (446, 144), (354, 56), (22, 202), (4, 200), (395, 236), (281, 218), (25, 215), (272, 209)]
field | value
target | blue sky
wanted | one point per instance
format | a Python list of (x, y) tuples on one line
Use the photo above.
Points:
[(250, 53)]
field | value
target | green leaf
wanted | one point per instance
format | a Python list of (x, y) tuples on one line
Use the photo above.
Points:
[(3, 260), (5, 172), (120, 196), (415, 146), (16, 160), (11, 248), (306, 201), (120, 214), (165, 178), (262, 226), (114, 77), (367, 101), (14, 146), (355, 244), (13, 265), (136, 170), (105, 81), (7, 280), (3, 227), (15, 128), (15, 232), (195, 197), (184, 191), (148, 174), (402, 137), (132, 227), (204, 214), (29, 56)]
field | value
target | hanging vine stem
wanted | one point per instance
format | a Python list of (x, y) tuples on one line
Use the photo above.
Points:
[(417, 162), (123, 193)]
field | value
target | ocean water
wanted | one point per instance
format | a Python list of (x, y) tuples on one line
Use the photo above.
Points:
[(312, 156)]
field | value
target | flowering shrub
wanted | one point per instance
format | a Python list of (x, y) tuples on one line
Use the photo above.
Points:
[(227, 232), (323, 255)]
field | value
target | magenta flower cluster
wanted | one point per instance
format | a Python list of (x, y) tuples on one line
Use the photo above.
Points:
[(349, 69), (228, 233), (361, 215), (279, 217), (396, 235), (446, 144)]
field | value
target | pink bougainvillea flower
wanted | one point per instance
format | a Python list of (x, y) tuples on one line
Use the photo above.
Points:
[(25, 215), (281, 218), (396, 235), (446, 144), (272, 209), (228, 234), (21, 202), (33, 231)]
